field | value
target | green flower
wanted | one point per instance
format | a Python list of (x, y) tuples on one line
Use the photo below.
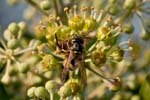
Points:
[(12, 43), (23, 67), (117, 55), (45, 5), (103, 33), (49, 62), (65, 91), (90, 24), (30, 92), (13, 28), (128, 28), (113, 9), (75, 85), (76, 23), (51, 86), (98, 57), (129, 4), (41, 92)]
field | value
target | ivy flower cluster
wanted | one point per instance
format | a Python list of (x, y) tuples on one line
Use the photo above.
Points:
[(72, 47)]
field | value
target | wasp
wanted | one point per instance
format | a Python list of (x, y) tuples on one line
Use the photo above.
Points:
[(73, 50)]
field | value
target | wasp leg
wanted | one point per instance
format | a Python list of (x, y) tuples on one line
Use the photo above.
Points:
[(65, 75), (83, 72)]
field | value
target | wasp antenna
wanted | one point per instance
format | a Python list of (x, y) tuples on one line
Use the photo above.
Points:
[(57, 41)]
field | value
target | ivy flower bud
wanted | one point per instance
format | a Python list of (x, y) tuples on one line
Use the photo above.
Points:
[(30, 92), (103, 33), (48, 74), (128, 28), (98, 57), (129, 4), (23, 26), (117, 55), (145, 36), (65, 91), (45, 5), (147, 23), (13, 28), (78, 96), (135, 97), (12, 43), (51, 86), (37, 80), (90, 24), (132, 81), (112, 1), (12, 71), (41, 92), (63, 33), (113, 9), (115, 84), (49, 62), (7, 35), (12, 2), (23, 67), (65, 29), (76, 23), (74, 85), (2, 64)]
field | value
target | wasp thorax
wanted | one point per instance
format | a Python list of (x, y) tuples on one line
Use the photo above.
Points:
[(77, 45)]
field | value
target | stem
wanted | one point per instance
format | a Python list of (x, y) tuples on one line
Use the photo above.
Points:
[(141, 21), (2, 51), (3, 43), (62, 98), (23, 51), (61, 3), (103, 77), (5, 78), (3, 56), (32, 3), (56, 7), (126, 15), (51, 96)]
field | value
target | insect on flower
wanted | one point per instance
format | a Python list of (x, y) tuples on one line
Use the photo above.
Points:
[(73, 50)]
